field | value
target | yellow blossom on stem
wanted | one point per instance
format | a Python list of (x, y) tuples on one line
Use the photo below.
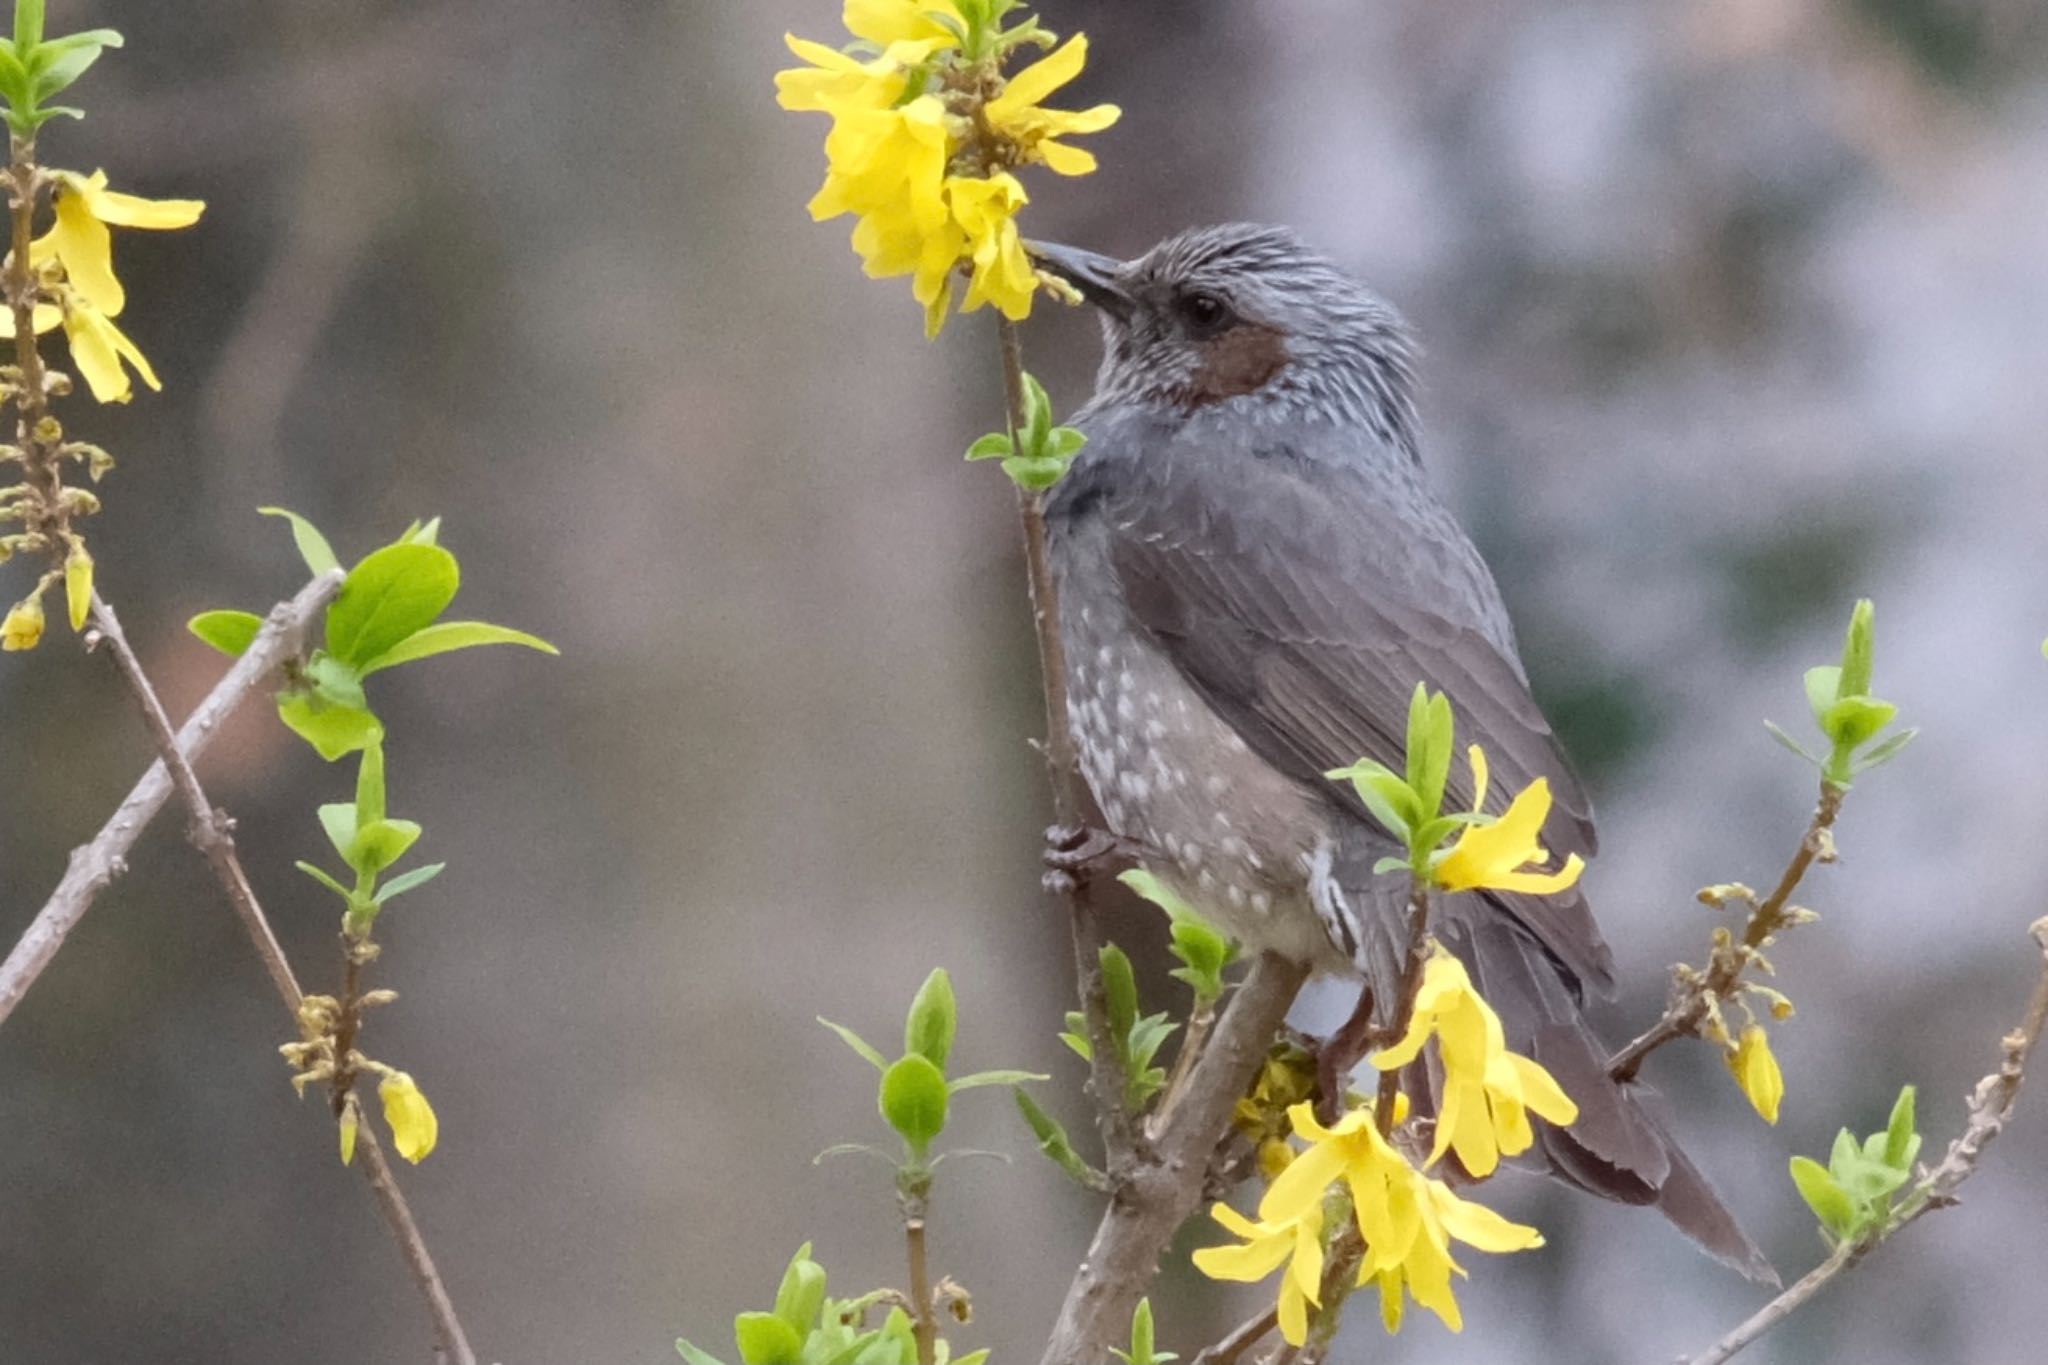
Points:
[(1296, 1242), (921, 154), (986, 211), (1407, 1219), (1756, 1071), (81, 243), (1502, 854), (78, 585), (351, 1122), (1488, 1091), (1015, 115), (414, 1129), (98, 347), (23, 628)]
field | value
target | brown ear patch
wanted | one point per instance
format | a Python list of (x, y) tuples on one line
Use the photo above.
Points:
[(1240, 361)]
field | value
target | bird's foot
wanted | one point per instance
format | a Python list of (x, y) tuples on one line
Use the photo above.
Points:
[(1076, 853), (1339, 1054)]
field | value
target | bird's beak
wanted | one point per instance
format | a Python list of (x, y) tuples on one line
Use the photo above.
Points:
[(1098, 277)]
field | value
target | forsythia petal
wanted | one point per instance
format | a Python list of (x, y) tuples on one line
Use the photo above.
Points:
[(414, 1128), (23, 628), (99, 347), (78, 585), (1756, 1070)]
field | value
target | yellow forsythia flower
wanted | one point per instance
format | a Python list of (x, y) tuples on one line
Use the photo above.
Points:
[(351, 1121), (23, 628), (920, 160), (78, 585), (1501, 855), (1408, 1220), (1015, 114), (1488, 1091), (1297, 1242), (414, 1129), (1756, 1071)]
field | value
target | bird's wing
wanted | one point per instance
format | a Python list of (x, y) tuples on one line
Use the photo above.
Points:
[(1306, 612)]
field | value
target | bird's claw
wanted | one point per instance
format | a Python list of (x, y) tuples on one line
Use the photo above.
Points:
[(1075, 853)]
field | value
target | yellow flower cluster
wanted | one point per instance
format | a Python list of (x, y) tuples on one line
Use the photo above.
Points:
[(1408, 1221), (923, 142), (76, 261), (1503, 854), (1488, 1092)]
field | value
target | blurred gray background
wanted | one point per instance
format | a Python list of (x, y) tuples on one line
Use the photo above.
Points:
[(1733, 312)]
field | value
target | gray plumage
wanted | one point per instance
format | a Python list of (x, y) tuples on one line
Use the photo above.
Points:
[(1253, 575)]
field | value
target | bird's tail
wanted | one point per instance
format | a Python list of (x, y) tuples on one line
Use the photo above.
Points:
[(1617, 1149)]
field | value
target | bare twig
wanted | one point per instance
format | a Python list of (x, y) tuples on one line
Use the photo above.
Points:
[(210, 832), (1241, 1339), (924, 1317), (94, 866), (1694, 998), (1990, 1106)]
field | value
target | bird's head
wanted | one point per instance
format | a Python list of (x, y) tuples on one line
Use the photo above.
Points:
[(1246, 316)]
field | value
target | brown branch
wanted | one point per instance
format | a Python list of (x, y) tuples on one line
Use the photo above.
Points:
[(1162, 1189), (1990, 1106), (1241, 1339), (924, 1318), (1696, 995), (210, 832), (1070, 800), (95, 865)]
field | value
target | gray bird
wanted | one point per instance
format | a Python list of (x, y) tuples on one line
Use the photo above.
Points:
[(1253, 575)]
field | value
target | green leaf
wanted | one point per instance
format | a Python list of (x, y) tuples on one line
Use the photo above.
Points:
[(14, 80), (60, 63), (1055, 1144), (1119, 991), (1834, 1209), (1823, 689), (393, 593), (913, 1100), (1901, 1139), (1858, 651), (1778, 733), (1142, 1350), (321, 877), (313, 547), (801, 1298), (976, 1079), (859, 1044), (694, 1356), (1430, 732), (1204, 954), (1855, 721), (380, 844), (426, 532), (994, 446), (447, 636), (332, 730), (28, 25), (765, 1339), (1037, 416), (339, 820), (1886, 750), (407, 881), (1035, 473), (230, 632), (1066, 443), (370, 785), (334, 681), (933, 1019)]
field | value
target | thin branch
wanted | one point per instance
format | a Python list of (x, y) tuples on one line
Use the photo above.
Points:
[(1990, 1106), (210, 832), (924, 1318), (1071, 803), (1241, 1339), (1694, 998), (95, 865)]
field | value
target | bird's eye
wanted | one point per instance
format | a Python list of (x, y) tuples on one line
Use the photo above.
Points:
[(1204, 313)]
